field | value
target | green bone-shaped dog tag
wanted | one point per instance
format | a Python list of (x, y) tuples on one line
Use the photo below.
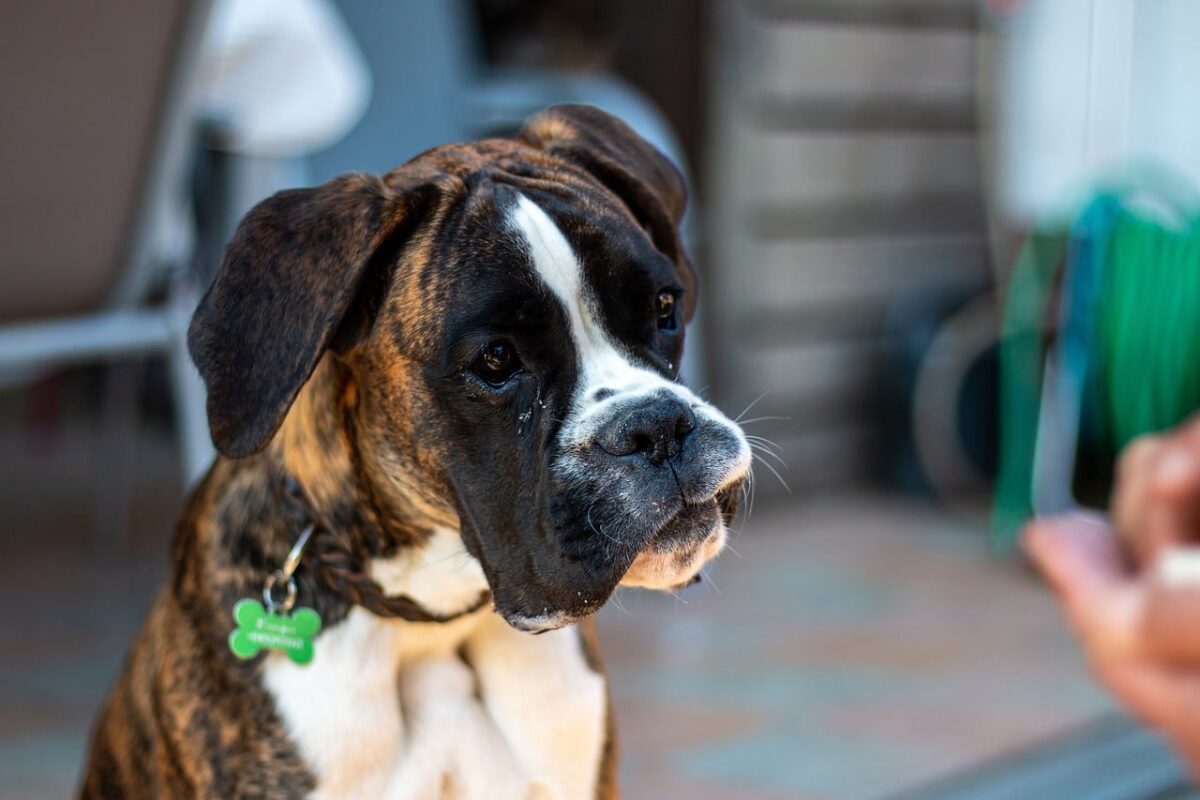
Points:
[(260, 629)]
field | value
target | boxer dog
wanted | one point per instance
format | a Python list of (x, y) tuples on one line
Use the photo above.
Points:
[(464, 375)]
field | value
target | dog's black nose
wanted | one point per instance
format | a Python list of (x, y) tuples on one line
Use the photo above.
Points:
[(655, 427)]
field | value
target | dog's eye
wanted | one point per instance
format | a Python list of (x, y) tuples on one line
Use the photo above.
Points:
[(664, 308), (497, 362)]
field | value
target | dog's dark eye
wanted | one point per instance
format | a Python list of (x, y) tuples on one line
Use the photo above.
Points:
[(497, 362), (664, 308)]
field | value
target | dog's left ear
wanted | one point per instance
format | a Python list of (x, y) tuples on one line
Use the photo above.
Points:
[(643, 178), (293, 282)]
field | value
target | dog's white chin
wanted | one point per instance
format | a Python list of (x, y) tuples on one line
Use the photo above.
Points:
[(551, 620), (674, 568)]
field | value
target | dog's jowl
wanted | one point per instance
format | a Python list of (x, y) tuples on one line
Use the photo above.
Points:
[(449, 415)]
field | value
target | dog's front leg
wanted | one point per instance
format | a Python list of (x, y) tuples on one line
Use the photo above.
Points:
[(343, 709), (548, 704), (454, 750)]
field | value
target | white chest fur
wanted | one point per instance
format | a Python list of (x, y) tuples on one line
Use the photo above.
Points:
[(388, 709)]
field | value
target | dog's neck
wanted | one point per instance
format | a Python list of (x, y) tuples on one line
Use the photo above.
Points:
[(347, 483), (366, 490)]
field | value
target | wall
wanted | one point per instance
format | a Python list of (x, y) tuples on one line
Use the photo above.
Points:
[(844, 177)]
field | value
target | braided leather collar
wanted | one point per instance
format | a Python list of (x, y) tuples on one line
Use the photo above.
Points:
[(338, 568)]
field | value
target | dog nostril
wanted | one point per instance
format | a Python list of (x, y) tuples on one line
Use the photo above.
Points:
[(643, 443), (684, 425)]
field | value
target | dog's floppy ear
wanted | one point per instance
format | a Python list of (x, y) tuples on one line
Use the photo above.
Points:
[(643, 178), (287, 282)]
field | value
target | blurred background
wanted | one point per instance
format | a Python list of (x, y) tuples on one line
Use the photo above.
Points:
[(949, 259)]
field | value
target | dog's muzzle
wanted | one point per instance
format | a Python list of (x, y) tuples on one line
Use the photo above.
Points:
[(642, 499)]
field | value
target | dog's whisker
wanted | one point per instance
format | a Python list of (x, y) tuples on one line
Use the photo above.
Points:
[(706, 573), (759, 447), (620, 606), (778, 477), (778, 458), (749, 489), (753, 420), (762, 452), (762, 440), (751, 405), (768, 448), (600, 530)]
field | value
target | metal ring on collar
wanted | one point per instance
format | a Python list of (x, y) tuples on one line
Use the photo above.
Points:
[(285, 576), (273, 582)]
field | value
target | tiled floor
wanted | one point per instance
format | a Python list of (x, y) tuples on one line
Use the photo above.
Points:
[(853, 646), (857, 646)]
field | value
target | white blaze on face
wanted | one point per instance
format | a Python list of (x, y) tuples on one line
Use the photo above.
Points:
[(601, 364)]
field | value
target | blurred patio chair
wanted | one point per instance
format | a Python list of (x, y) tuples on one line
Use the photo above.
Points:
[(94, 214)]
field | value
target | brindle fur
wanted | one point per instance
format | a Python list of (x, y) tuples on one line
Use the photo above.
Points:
[(186, 718)]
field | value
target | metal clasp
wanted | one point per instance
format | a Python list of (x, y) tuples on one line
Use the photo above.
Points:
[(284, 577)]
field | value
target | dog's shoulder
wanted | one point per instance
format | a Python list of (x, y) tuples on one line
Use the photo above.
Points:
[(180, 684)]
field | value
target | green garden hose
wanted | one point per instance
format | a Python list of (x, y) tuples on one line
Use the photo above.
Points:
[(1148, 328), (1143, 352)]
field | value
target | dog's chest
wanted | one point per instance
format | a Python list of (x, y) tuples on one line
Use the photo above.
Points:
[(392, 709)]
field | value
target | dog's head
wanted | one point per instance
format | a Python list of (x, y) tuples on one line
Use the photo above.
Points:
[(511, 314)]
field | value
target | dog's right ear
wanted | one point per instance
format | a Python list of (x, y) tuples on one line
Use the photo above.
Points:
[(288, 280)]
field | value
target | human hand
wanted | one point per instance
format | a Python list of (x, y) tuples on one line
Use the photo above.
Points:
[(1138, 621)]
